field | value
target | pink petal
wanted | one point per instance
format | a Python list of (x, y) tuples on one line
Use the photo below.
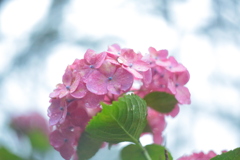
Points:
[(112, 59), (178, 68), (75, 83), (174, 112), (141, 65), (57, 111), (164, 63), (147, 77), (114, 48), (174, 66), (66, 151), (97, 83), (149, 60), (157, 124), (114, 87), (163, 54), (90, 56), (80, 91), (183, 95), (124, 78), (94, 59), (157, 137), (77, 115), (152, 50), (63, 93), (171, 86), (56, 139), (135, 73), (107, 69), (100, 59), (182, 77), (92, 100), (67, 77), (199, 156), (55, 93), (127, 56)]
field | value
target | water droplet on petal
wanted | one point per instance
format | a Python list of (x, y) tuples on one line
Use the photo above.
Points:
[(120, 60)]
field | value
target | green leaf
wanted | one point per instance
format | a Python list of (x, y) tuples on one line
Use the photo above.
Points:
[(124, 120), (6, 155), (156, 152), (161, 101), (87, 146), (230, 155), (39, 140), (147, 129)]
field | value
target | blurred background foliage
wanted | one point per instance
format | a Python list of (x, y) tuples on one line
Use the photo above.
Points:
[(39, 39)]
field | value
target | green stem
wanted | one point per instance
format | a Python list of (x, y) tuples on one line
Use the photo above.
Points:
[(145, 152)]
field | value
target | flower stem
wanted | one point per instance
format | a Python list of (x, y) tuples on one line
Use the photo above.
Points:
[(145, 152)]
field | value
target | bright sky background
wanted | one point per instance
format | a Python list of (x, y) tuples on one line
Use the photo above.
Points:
[(138, 30)]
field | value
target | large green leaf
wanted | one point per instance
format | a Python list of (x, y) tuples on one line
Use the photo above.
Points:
[(124, 120), (156, 152), (87, 146), (230, 155), (161, 101), (7, 155)]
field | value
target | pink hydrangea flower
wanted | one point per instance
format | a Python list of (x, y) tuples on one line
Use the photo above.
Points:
[(176, 85), (105, 77), (109, 78), (57, 111), (29, 122), (157, 123), (114, 49), (91, 62), (77, 114), (64, 140), (71, 85), (160, 79), (199, 156), (92, 100), (147, 77), (171, 64), (133, 62), (174, 112), (158, 55)]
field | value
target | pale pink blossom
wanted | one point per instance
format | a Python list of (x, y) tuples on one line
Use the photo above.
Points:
[(64, 140), (77, 114), (133, 62), (109, 78), (199, 156), (57, 111), (171, 65), (157, 124), (158, 55), (90, 63), (176, 86), (72, 85)]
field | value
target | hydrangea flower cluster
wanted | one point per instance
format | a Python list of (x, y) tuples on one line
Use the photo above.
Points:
[(199, 156), (105, 76), (24, 124)]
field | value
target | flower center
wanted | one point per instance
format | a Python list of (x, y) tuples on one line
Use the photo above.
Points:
[(130, 65), (68, 87), (110, 78)]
